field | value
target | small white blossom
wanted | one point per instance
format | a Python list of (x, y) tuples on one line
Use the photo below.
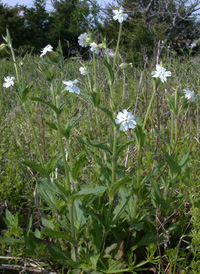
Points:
[(82, 39), (83, 71), (71, 87), (8, 82), (189, 94), (94, 47), (119, 15), (126, 120), (161, 73)]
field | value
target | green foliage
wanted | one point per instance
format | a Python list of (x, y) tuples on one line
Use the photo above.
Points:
[(93, 198)]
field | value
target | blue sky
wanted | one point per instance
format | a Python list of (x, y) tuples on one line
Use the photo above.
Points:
[(48, 5)]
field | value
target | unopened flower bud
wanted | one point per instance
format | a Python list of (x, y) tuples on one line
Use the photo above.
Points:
[(88, 40), (123, 66), (2, 46), (100, 46)]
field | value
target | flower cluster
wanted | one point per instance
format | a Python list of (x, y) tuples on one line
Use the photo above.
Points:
[(126, 120), (8, 82)]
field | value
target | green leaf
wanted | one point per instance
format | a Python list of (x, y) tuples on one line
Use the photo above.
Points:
[(52, 163), (59, 235), (94, 260), (156, 195), (52, 125), (79, 216), (89, 190), (162, 138), (53, 107), (120, 209), (173, 166), (139, 136), (184, 160), (147, 240), (35, 167), (119, 184), (171, 103), (121, 147), (110, 71), (53, 187), (29, 224), (9, 240), (60, 256), (25, 93), (48, 74), (77, 166), (47, 223), (95, 99), (62, 106), (109, 114), (96, 144), (66, 132)]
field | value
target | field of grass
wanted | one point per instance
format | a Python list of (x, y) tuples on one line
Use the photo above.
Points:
[(80, 195)]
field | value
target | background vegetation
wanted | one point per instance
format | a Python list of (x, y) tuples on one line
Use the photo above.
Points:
[(174, 22)]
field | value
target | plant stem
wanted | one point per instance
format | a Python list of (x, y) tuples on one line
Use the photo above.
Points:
[(138, 168), (172, 129), (117, 47), (35, 135), (61, 143), (95, 73), (150, 103), (71, 214), (176, 117), (114, 156), (63, 153), (14, 61)]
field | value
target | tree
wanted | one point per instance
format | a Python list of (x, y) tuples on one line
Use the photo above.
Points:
[(37, 25), (153, 20), (12, 18), (69, 19)]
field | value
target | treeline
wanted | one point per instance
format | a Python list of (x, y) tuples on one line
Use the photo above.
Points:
[(149, 21), (33, 28)]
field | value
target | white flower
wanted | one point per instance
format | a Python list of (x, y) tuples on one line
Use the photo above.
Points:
[(82, 39), (83, 71), (189, 94), (8, 82), (94, 47), (126, 120), (71, 87), (46, 49), (161, 73), (119, 15)]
